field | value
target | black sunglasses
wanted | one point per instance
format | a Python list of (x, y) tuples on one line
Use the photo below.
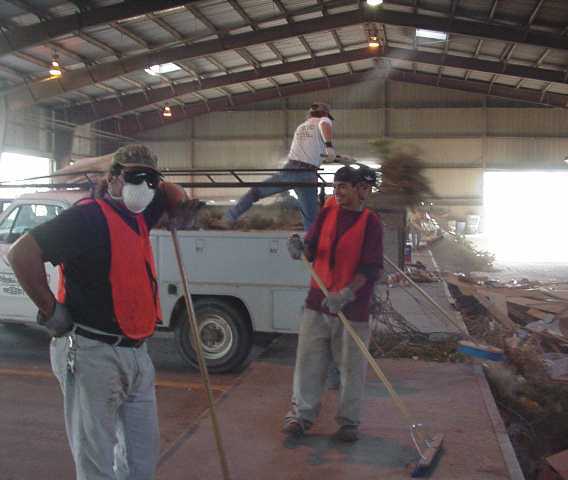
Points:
[(137, 177)]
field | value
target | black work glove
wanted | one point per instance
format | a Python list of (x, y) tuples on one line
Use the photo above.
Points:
[(184, 215), (295, 246), (335, 301), (59, 323)]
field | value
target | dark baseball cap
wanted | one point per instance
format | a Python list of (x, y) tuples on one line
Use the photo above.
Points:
[(321, 108), (135, 155), (356, 175)]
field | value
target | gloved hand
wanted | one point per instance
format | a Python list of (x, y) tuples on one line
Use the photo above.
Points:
[(184, 214), (59, 323), (295, 246), (335, 301)]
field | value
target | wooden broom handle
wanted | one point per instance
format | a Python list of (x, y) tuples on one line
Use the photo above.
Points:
[(200, 357)]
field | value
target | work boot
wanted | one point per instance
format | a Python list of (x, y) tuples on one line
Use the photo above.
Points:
[(347, 433), (293, 428)]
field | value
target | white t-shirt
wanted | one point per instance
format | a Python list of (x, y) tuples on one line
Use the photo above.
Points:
[(308, 144)]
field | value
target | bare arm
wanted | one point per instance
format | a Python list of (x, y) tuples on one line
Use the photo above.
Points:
[(175, 195), (326, 131), (26, 260)]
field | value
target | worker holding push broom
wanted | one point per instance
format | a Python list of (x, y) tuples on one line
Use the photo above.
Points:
[(106, 308), (346, 247)]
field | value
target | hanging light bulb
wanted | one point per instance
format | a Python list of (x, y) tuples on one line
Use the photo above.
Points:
[(374, 3), (55, 69), (167, 112), (374, 40)]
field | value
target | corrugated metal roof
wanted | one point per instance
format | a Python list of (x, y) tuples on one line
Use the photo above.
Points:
[(195, 21)]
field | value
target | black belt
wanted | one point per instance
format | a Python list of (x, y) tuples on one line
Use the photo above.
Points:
[(111, 339), (302, 165)]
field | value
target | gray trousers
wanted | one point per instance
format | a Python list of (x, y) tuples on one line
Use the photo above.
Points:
[(322, 339), (110, 408)]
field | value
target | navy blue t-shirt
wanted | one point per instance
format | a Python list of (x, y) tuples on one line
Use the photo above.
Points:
[(79, 239)]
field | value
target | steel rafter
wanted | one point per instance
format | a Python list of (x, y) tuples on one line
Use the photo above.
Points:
[(91, 112), (109, 107), (53, 27), (26, 96), (134, 124)]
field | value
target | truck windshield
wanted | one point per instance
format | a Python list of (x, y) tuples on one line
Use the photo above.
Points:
[(25, 217)]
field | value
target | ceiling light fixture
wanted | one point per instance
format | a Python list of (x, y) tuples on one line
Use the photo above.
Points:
[(55, 69), (432, 34), (156, 70), (167, 112), (374, 3), (373, 37)]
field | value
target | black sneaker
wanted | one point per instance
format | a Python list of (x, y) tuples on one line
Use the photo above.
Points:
[(347, 433), (293, 428)]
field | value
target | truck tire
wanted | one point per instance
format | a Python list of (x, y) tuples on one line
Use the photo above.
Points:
[(225, 333)]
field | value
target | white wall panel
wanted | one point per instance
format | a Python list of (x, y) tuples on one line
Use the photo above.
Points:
[(528, 122), (447, 151), (408, 95), (436, 122), (236, 154), (172, 154), (246, 124), (527, 153), (29, 132), (463, 182)]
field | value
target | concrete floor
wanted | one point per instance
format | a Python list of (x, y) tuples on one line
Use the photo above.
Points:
[(450, 398)]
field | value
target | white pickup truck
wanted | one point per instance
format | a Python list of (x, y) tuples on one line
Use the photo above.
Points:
[(241, 282)]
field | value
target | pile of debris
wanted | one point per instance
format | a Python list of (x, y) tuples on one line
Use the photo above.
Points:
[(529, 321)]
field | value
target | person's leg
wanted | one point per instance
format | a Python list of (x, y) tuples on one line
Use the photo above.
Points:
[(138, 448), (254, 195), (352, 368), (312, 359), (92, 379), (308, 199)]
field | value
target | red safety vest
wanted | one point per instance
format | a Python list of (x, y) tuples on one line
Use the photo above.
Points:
[(132, 276), (348, 250)]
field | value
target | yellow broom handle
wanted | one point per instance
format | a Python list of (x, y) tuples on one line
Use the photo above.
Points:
[(396, 399)]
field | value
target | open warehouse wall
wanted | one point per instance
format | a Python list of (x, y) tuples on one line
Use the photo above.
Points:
[(458, 135)]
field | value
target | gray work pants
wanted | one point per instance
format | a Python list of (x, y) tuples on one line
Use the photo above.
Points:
[(322, 339), (110, 408)]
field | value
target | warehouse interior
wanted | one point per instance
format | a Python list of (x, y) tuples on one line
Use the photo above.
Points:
[(476, 89)]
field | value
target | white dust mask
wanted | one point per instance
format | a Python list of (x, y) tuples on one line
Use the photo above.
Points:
[(137, 197)]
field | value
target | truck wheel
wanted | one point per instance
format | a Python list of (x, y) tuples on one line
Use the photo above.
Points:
[(225, 333)]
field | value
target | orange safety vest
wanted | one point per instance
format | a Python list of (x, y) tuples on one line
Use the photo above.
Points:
[(348, 249), (133, 276)]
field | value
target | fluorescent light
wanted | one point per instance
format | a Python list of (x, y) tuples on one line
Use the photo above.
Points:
[(433, 34), (374, 3), (162, 68)]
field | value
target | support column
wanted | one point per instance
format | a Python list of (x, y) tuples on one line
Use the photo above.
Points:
[(62, 143), (3, 123)]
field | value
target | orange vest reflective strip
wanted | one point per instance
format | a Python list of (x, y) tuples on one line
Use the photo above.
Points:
[(347, 252), (133, 276)]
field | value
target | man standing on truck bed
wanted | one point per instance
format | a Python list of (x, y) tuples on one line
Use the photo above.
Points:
[(346, 247), (312, 143), (106, 308)]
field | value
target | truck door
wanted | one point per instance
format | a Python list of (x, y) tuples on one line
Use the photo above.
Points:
[(18, 220)]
